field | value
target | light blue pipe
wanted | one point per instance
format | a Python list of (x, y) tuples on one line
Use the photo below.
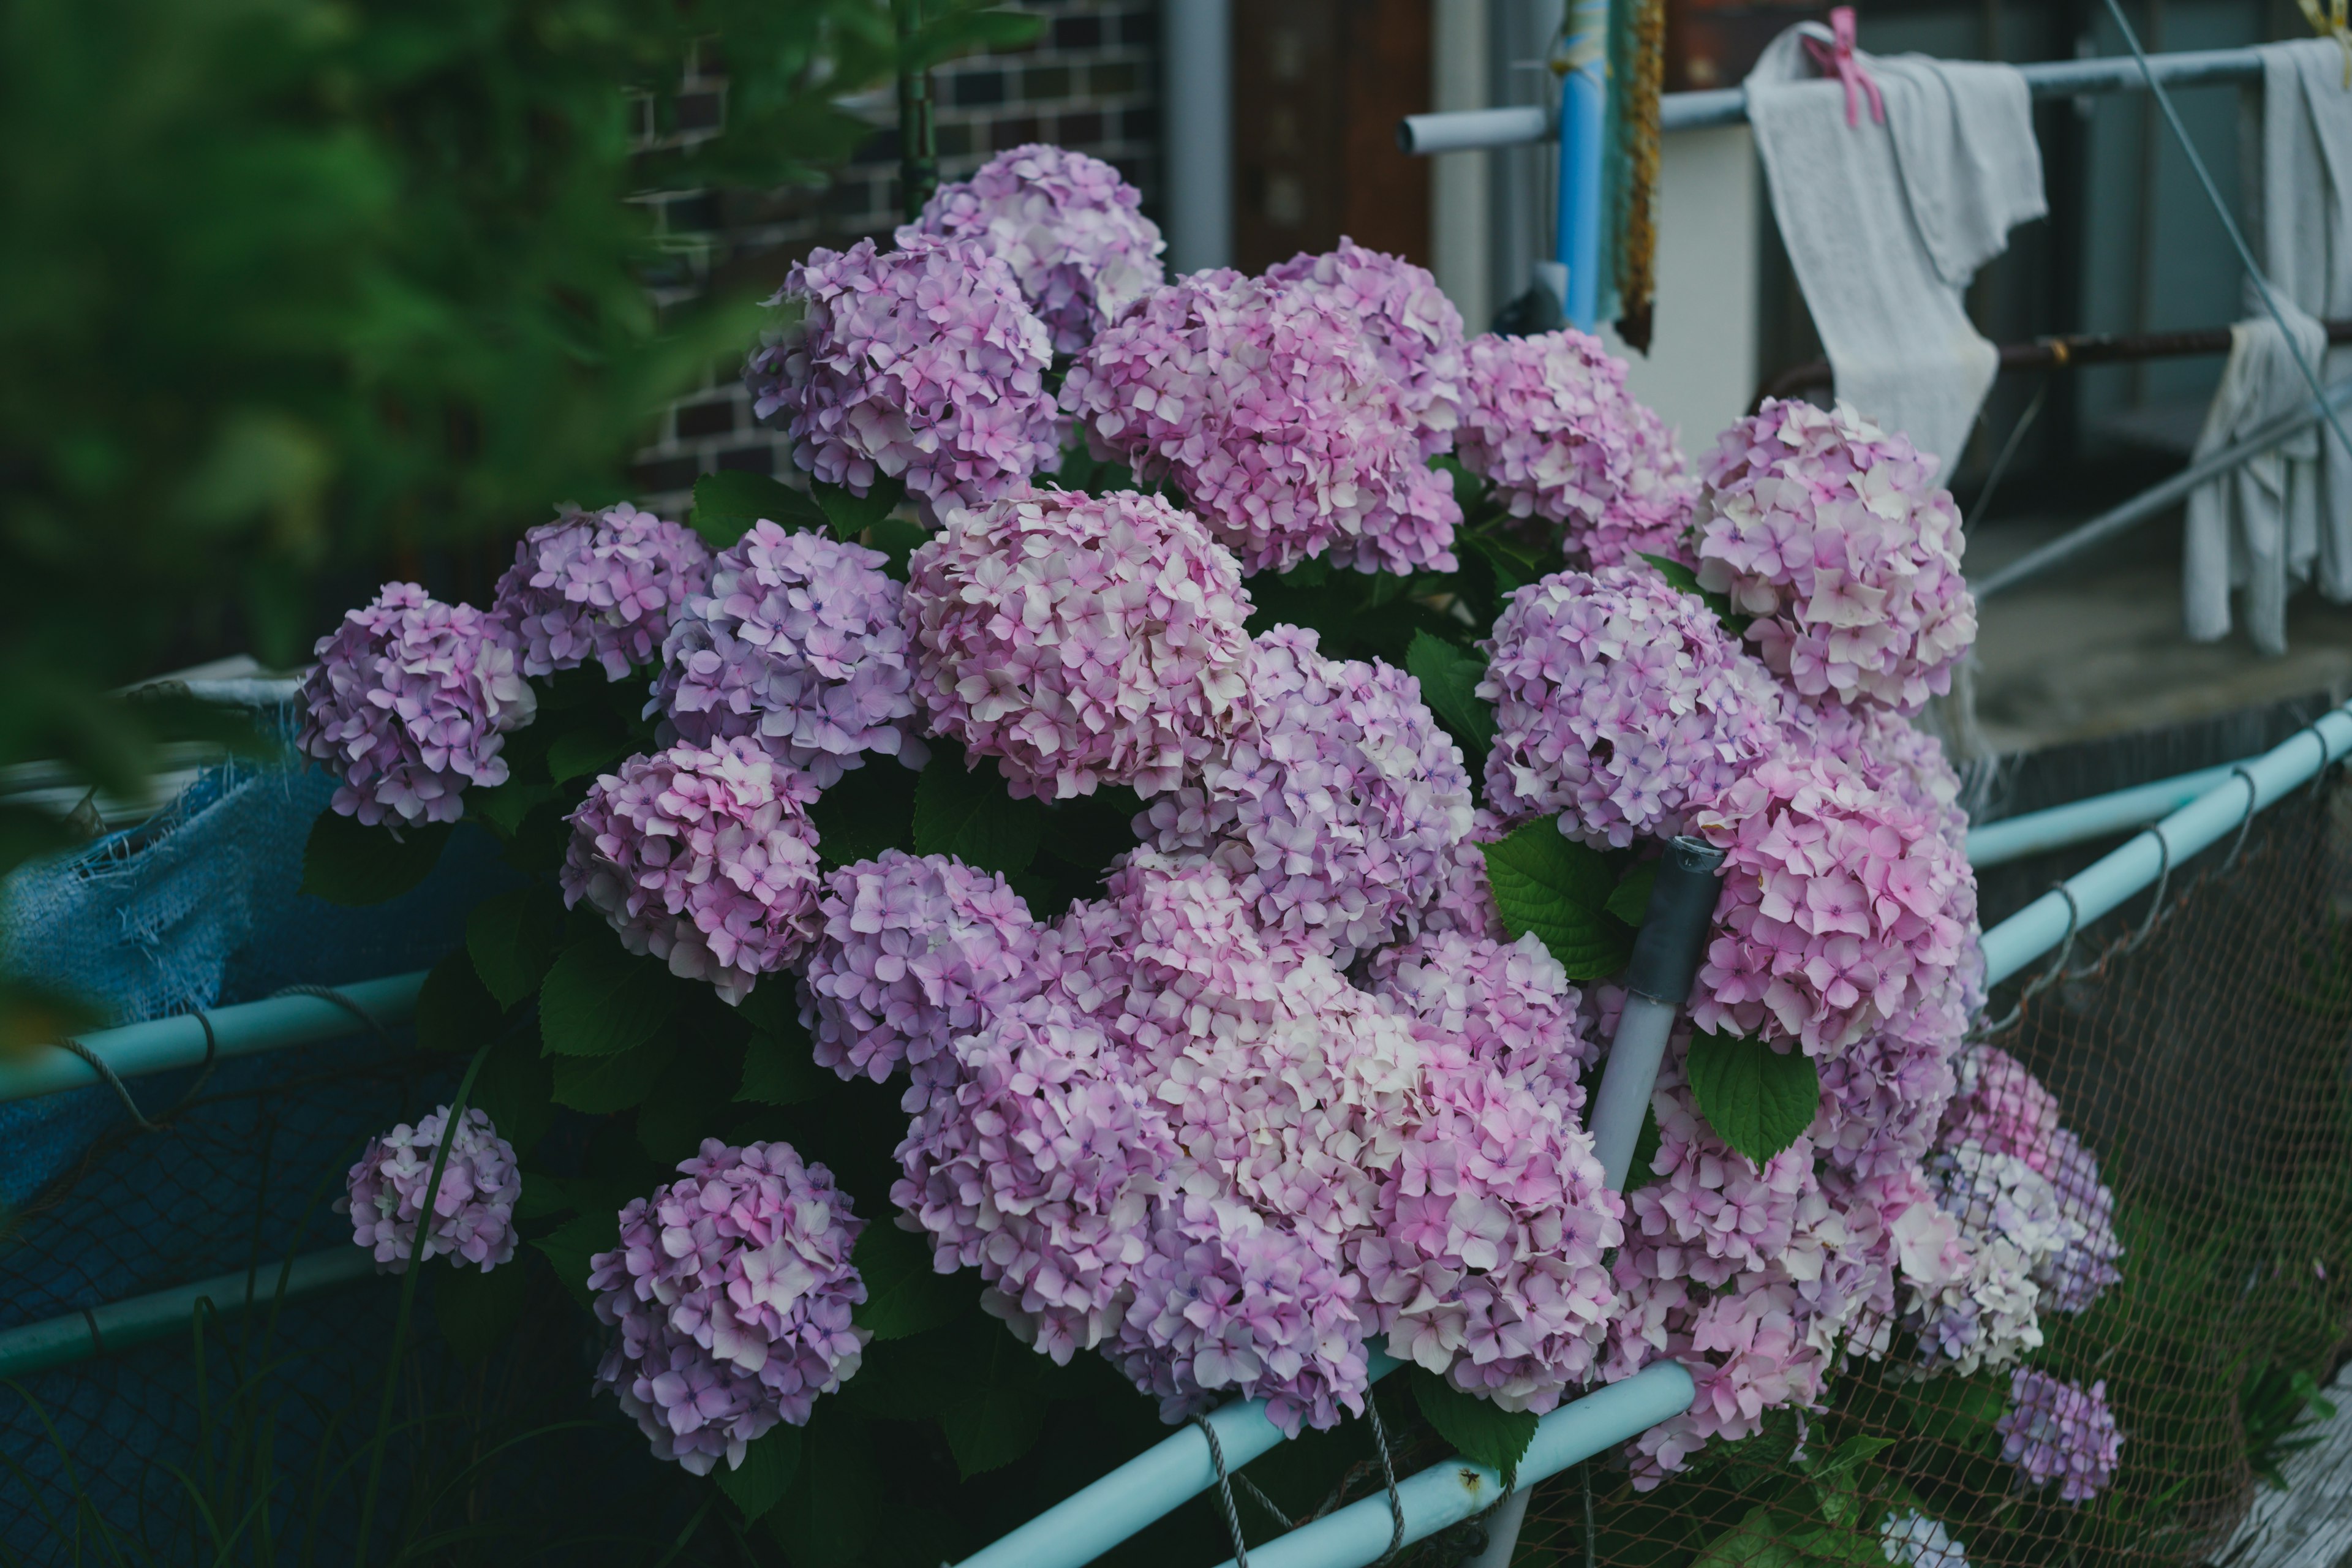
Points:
[(1449, 1493), (162, 1044), (2015, 838), (2042, 924), (119, 1325), (1172, 1472), (1583, 108)]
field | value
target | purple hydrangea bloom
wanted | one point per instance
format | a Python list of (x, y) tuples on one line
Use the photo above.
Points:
[(409, 704), (1228, 1300), (704, 858), (2057, 1431), (1037, 1163), (1507, 1004), (2015, 1228), (1651, 510), (1080, 641), (1070, 229), (923, 364), (1335, 808), (1271, 410), (1883, 1099), (1620, 705), (1413, 328), (598, 587), (2081, 1274), (799, 644), (2003, 1106), (732, 1288), (912, 952), (1833, 535), (473, 1209)]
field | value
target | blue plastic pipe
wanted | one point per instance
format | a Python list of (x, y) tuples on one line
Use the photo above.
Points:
[(162, 1044), (2013, 838), (119, 1325), (1583, 108)]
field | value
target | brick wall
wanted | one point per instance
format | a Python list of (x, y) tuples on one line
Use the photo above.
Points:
[(1090, 82)]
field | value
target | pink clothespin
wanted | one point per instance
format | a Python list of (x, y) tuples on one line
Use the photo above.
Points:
[(1839, 57)]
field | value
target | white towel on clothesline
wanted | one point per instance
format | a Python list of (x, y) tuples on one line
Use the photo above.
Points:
[(1884, 224)]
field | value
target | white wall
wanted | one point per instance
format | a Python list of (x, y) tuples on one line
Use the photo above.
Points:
[(1460, 213)]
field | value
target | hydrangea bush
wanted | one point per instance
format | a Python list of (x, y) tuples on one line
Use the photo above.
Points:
[(1209, 997)]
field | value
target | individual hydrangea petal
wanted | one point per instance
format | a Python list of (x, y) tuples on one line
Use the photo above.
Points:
[(702, 857), (732, 1288), (1834, 536), (923, 364), (409, 706), (799, 644), (1413, 327), (2057, 1431), (1838, 912), (1620, 706), (1270, 408), (1336, 806), (1071, 230), (598, 587), (1080, 641), (912, 953), (473, 1209)]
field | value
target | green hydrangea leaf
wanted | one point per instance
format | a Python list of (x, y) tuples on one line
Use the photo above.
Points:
[(1757, 1099), (1560, 889)]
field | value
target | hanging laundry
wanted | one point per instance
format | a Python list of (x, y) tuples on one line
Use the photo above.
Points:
[(1893, 180)]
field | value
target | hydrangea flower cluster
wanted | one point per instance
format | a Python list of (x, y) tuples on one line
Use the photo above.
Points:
[(2004, 1108), (1652, 510), (1271, 410), (1506, 1005), (2057, 1431), (410, 703), (1837, 913), (732, 1288), (473, 1209), (912, 953), (1620, 705), (1413, 327), (1079, 640), (2012, 1223), (598, 587), (923, 364), (702, 857), (1334, 808), (1070, 229), (1833, 534), (1912, 1540), (799, 644)]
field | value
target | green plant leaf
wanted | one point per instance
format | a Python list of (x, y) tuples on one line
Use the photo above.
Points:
[(505, 807), (578, 754), (1449, 678), (727, 503), (513, 938), (454, 1012), (1757, 1099), (966, 812), (904, 1295), (516, 1089), (1849, 1457), (777, 1070), (1560, 889), (998, 1409), (1514, 569), (688, 1101), (1757, 1540), (871, 810), (600, 1084), (345, 863), (1629, 902), (827, 1513), (1480, 1430), (897, 540), (569, 1245), (476, 1308), (1646, 1145), (761, 1481), (599, 1001), (852, 515)]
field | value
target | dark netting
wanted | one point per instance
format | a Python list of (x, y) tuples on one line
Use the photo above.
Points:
[(2206, 1070)]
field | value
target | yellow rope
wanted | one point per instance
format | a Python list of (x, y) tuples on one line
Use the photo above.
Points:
[(1637, 251), (2331, 23)]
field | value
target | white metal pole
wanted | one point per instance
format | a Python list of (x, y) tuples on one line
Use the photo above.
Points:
[(1196, 51)]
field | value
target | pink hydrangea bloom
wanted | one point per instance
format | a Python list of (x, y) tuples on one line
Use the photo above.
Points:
[(2013, 1224), (409, 704), (1038, 1163), (473, 1209), (1833, 534), (1485, 1264), (1883, 1099), (1837, 913), (2055, 1431), (1620, 706), (1080, 641), (1651, 510), (800, 645), (1413, 328), (912, 954), (598, 587), (1228, 1300), (923, 364), (1271, 410), (1748, 1351), (703, 857), (1705, 1213), (1507, 1004), (732, 1288), (1069, 228), (2003, 1107), (1335, 807), (1464, 901)]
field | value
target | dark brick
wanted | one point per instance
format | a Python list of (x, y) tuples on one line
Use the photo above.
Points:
[(666, 474), (698, 111), (1080, 129), (696, 420), (641, 115), (1039, 83), (750, 459), (710, 58), (1018, 131), (977, 90), (697, 213), (850, 194), (955, 141), (1139, 124), (1138, 28), (1114, 79), (1078, 33)]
